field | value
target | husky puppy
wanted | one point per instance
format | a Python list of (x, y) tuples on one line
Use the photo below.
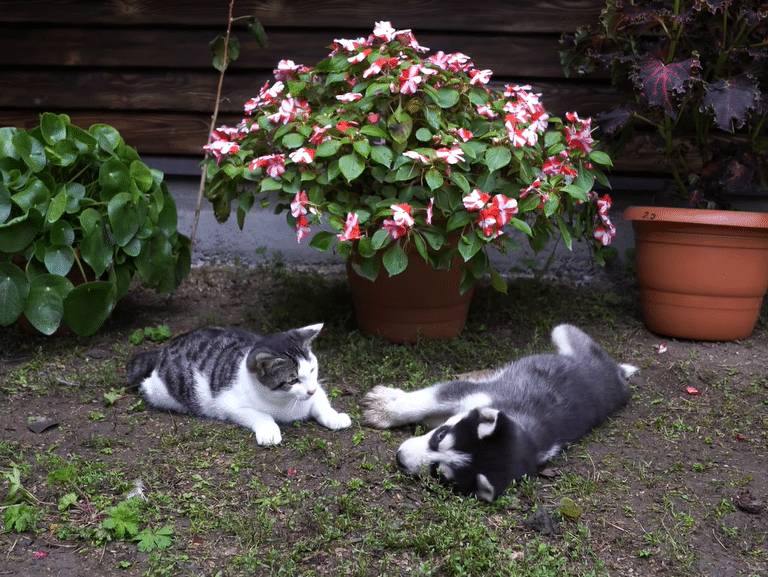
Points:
[(497, 429)]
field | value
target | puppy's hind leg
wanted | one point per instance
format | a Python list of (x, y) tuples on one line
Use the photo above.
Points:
[(386, 407)]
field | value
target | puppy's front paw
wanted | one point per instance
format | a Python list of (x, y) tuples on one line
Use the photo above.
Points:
[(336, 421), (379, 406), (267, 434)]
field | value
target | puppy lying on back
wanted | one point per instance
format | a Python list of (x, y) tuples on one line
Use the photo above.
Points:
[(497, 429)]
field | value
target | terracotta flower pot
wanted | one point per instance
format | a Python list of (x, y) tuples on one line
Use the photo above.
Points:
[(702, 273), (421, 302)]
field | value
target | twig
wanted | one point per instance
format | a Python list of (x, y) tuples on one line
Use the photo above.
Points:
[(628, 532), (214, 117), (714, 534)]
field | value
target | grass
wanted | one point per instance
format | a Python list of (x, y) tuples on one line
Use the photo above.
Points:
[(651, 492)]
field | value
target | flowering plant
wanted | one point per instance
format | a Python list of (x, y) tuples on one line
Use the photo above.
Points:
[(401, 152)]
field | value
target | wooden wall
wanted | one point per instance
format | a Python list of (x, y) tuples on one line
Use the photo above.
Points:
[(144, 65)]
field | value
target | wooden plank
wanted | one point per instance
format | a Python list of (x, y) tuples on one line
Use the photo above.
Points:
[(171, 134), (506, 55), (193, 91), (357, 17)]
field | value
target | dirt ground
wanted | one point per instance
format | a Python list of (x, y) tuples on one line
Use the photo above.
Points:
[(675, 484)]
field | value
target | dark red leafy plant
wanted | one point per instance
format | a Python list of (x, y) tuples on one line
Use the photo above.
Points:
[(695, 72)]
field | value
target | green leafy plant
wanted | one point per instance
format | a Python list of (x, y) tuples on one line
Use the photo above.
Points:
[(80, 216), (158, 334), (151, 540), (407, 155), (122, 520), (20, 517), (693, 71)]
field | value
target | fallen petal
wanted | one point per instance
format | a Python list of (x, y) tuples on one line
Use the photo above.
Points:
[(40, 554), (692, 391), (661, 348)]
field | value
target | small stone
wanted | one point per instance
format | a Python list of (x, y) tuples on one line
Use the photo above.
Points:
[(97, 353), (549, 472), (541, 521), (569, 508), (748, 503), (39, 424)]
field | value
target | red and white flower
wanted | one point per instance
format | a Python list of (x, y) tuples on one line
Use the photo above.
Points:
[(378, 65), (287, 69), (302, 155), (348, 45), (302, 227), (401, 214), (290, 109), (463, 133), (458, 61), (604, 204), (318, 134), (383, 31), (413, 155), (534, 187), (410, 78), (487, 220), (514, 89), (351, 228), (430, 210), (373, 117), (476, 200), (450, 155), (579, 138), (349, 97), (267, 95), (486, 110), (406, 38), (480, 77), (344, 125), (604, 235), (360, 56), (506, 207), (299, 204), (273, 163), (221, 147)]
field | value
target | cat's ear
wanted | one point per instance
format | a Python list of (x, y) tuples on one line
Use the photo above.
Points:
[(307, 334), (262, 362)]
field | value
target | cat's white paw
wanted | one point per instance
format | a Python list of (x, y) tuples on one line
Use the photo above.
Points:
[(267, 434), (336, 421), (379, 406)]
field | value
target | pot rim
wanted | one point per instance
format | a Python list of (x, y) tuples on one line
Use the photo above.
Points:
[(730, 218)]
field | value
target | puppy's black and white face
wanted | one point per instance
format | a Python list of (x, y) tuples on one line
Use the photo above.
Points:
[(470, 451)]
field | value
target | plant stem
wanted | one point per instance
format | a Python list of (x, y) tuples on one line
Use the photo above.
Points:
[(666, 132), (80, 266), (678, 30), (214, 117)]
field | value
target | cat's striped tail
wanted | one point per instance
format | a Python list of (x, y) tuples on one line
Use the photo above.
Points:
[(141, 366)]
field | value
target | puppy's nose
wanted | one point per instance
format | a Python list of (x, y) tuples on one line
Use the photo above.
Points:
[(310, 392), (399, 460)]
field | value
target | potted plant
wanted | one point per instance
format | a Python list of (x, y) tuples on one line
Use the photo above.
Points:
[(80, 215), (694, 73), (417, 166)]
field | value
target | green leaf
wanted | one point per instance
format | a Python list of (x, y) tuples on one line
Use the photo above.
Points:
[(141, 175), (17, 233), (123, 218), (421, 247), (351, 166), (382, 155), (434, 179), (66, 501), (89, 220), (461, 181), (269, 184), (45, 305), (551, 138), (469, 245), (59, 259), (62, 233), (522, 226), (7, 149), (497, 157), (75, 193), (400, 126), (155, 264), (371, 130), (362, 147), (35, 193), (424, 135), (167, 220), (149, 540), (457, 220), (114, 177), (367, 268), (600, 157), (57, 207), (53, 127), (564, 233), (498, 282), (432, 116), (5, 203), (221, 61), (327, 148), (435, 238), (96, 250), (322, 240), (395, 260), (294, 140), (63, 153), (407, 172), (14, 289), (88, 306), (380, 239), (20, 517), (447, 97), (576, 192), (106, 137), (256, 30), (30, 150)]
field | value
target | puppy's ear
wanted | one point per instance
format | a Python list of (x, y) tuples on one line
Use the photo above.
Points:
[(487, 422), (309, 333), (485, 490), (261, 362)]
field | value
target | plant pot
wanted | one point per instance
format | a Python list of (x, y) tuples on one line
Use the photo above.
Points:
[(421, 302), (702, 273)]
